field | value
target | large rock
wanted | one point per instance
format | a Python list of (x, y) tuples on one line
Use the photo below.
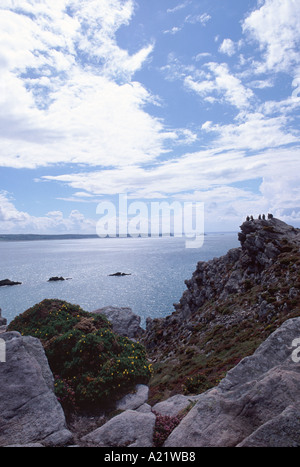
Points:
[(281, 431), (130, 428), (29, 410), (124, 321), (174, 405), (133, 401), (257, 403)]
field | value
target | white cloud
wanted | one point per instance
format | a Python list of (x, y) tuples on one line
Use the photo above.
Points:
[(189, 19), (90, 120), (261, 84), (227, 47), (173, 30), (275, 26), (223, 85), (253, 132), (54, 108), (14, 221), (178, 7), (202, 19), (207, 177), (194, 171), (282, 107)]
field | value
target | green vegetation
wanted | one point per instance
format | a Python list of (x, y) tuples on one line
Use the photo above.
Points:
[(91, 364)]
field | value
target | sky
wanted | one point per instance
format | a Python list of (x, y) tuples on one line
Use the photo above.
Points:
[(162, 100)]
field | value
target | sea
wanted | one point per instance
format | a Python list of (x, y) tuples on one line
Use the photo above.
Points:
[(156, 268)]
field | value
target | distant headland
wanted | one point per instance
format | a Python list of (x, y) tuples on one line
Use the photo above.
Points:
[(30, 237)]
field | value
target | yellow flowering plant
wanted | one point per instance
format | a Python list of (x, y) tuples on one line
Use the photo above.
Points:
[(93, 366)]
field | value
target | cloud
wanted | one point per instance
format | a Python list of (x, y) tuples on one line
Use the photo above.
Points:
[(207, 176), (193, 171), (202, 19), (178, 7), (14, 221), (68, 93), (90, 120), (189, 19), (173, 30), (253, 132), (227, 47), (221, 86), (275, 27)]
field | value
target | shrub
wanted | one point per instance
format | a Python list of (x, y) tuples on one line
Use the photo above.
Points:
[(92, 365), (164, 425), (196, 384)]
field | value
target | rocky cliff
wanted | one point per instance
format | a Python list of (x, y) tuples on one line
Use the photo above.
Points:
[(230, 306)]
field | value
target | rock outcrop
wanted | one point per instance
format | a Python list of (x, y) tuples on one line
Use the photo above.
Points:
[(230, 306), (29, 410), (56, 279), (120, 274), (124, 321), (262, 241), (5, 282), (256, 404)]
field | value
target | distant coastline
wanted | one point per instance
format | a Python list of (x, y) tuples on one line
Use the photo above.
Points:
[(33, 237), (30, 237)]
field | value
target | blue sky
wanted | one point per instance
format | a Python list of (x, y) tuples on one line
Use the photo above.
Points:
[(164, 100)]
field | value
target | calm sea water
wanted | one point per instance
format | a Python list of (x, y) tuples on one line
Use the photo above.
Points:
[(158, 268)]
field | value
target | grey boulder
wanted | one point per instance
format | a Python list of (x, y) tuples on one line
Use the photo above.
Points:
[(130, 428), (174, 405), (256, 404), (124, 321), (133, 401), (29, 410)]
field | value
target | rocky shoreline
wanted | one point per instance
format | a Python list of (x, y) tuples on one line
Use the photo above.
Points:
[(226, 362)]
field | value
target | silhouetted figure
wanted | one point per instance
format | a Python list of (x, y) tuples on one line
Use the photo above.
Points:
[(251, 218), (247, 218), (264, 217), (270, 216), (259, 217)]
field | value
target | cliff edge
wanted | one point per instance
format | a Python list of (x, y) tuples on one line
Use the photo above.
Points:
[(230, 306)]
